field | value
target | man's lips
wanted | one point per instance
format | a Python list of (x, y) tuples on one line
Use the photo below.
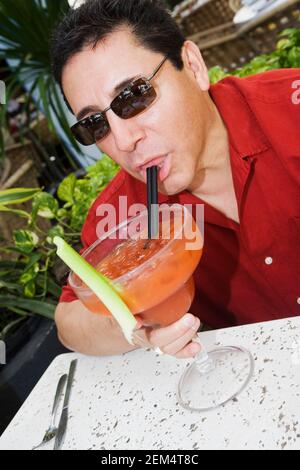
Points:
[(163, 163), (157, 161)]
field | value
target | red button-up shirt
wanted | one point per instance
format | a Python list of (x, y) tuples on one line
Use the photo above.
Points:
[(249, 272)]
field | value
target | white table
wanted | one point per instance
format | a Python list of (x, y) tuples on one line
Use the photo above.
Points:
[(129, 402)]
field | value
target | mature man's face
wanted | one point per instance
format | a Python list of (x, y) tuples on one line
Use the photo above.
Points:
[(173, 127)]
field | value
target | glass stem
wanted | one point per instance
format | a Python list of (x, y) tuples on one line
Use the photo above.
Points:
[(203, 362), (202, 356)]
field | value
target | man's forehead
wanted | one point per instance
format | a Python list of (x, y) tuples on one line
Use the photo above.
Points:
[(119, 50), (112, 58), (109, 66)]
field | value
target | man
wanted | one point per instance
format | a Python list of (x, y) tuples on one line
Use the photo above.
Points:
[(234, 147)]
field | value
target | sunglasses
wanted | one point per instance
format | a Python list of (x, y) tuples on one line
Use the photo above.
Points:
[(134, 99)]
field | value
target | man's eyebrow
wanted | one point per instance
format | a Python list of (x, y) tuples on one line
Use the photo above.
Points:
[(122, 85), (118, 88), (87, 110)]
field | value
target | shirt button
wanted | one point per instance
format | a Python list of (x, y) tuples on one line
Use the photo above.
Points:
[(298, 301), (269, 260)]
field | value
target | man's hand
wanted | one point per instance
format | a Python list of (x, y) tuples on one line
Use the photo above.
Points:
[(97, 335), (175, 339)]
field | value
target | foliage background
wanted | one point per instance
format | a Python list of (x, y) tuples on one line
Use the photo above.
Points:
[(31, 276)]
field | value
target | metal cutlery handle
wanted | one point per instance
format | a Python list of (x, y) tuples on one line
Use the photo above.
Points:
[(51, 431), (59, 390), (70, 382), (63, 421)]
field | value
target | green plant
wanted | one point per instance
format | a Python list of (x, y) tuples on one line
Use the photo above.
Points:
[(25, 33), (286, 55), (28, 283)]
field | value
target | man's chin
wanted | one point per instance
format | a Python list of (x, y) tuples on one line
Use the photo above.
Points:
[(168, 190), (167, 187)]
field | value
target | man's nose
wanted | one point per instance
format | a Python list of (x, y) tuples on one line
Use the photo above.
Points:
[(126, 132)]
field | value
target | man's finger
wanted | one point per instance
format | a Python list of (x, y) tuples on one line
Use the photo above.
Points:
[(162, 336), (177, 345), (191, 350)]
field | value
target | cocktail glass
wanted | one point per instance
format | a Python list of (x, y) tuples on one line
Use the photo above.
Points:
[(155, 280), (153, 277)]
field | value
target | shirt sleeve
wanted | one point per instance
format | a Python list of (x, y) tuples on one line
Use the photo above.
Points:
[(67, 295), (275, 100)]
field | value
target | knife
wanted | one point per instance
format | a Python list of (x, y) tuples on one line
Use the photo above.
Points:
[(62, 427)]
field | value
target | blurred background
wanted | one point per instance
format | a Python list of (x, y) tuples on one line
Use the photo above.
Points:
[(48, 181)]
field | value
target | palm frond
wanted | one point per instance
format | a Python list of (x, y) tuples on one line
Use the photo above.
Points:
[(26, 28)]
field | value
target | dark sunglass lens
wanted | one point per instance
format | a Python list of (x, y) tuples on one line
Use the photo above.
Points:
[(91, 129), (82, 134), (134, 99), (101, 129)]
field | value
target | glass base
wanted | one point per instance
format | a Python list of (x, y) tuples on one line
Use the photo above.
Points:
[(210, 383)]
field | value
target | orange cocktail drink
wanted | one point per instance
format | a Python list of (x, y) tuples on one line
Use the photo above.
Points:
[(153, 277)]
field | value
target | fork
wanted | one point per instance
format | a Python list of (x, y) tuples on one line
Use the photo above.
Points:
[(51, 431)]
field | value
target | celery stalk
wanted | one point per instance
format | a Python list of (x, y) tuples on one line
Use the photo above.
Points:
[(100, 285)]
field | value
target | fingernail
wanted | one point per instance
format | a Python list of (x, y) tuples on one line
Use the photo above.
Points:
[(188, 320)]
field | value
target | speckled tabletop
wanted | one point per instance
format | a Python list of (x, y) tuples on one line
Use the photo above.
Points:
[(129, 402)]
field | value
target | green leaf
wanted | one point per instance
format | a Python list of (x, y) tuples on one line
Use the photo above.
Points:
[(44, 205), (284, 44), (216, 74), (78, 214), (29, 290), (11, 265), (44, 309), (84, 189), (294, 57), (11, 286), (11, 325), (63, 213), (19, 311), (17, 195), (66, 188), (288, 32), (44, 87), (59, 112), (16, 212), (105, 169), (29, 275), (56, 231), (25, 240), (32, 261), (51, 286), (14, 249), (26, 29)]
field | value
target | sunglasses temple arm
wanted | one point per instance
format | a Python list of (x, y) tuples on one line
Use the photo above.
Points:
[(157, 69)]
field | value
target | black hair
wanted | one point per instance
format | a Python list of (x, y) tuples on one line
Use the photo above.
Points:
[(149, 20)]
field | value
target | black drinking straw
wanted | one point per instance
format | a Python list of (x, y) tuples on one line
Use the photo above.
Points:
[(152, 202)]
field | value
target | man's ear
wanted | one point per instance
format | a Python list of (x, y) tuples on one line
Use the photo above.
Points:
[(194, 63)]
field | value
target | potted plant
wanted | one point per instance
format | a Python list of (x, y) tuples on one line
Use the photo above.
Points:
[(31, 275)]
